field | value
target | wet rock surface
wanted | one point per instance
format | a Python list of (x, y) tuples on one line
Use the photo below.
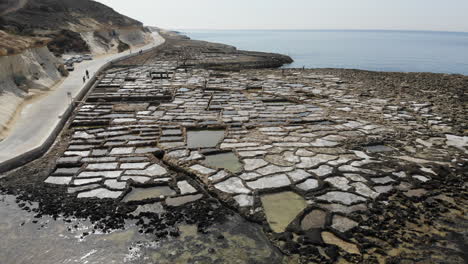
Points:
[(333, 165), (74, 240)]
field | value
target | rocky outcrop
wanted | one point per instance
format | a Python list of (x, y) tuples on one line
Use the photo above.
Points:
[(68, 41), (34, 68), (65, 14), (208, 55), (73, 26)]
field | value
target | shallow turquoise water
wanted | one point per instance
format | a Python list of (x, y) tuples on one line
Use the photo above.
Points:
[(407, 51)]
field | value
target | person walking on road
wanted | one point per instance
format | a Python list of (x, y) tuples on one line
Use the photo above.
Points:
[(87, 74), (84, 79)]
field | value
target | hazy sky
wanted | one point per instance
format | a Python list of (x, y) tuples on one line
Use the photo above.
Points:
[(447, 15)]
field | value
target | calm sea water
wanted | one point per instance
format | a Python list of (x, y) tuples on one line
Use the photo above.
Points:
[(406, 51)]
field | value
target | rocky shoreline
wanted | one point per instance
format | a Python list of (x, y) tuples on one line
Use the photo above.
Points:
[(336, 166), (214, 56)]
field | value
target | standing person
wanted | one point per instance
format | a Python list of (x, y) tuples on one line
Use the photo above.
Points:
[(84, 79), (87, 74)]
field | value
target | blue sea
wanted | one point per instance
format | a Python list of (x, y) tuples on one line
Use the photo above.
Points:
[(402, 51)]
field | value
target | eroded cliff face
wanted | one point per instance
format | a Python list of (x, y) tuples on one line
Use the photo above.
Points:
[(115, 40), (34, 69), (73, 26)]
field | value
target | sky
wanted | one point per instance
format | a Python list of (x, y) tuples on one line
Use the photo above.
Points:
[(439, 15)]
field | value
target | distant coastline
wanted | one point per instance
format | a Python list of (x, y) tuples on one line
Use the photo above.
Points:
[(376, 50), (325, 30)]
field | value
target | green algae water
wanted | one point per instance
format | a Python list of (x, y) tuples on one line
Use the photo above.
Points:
[(228, 161), (282, 208), (400, 51), (204, 138)]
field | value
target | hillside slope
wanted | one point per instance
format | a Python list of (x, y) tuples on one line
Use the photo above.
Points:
[(73, 26)]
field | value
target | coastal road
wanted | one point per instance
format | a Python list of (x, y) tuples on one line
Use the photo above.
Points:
[(39, 121)]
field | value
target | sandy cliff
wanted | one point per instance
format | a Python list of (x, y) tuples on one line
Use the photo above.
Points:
[(115, 40), (21, 75)]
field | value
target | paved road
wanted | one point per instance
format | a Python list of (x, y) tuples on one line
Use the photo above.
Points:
[(38, 121)]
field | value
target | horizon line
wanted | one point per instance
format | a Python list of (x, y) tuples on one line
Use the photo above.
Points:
[(316, 29)]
